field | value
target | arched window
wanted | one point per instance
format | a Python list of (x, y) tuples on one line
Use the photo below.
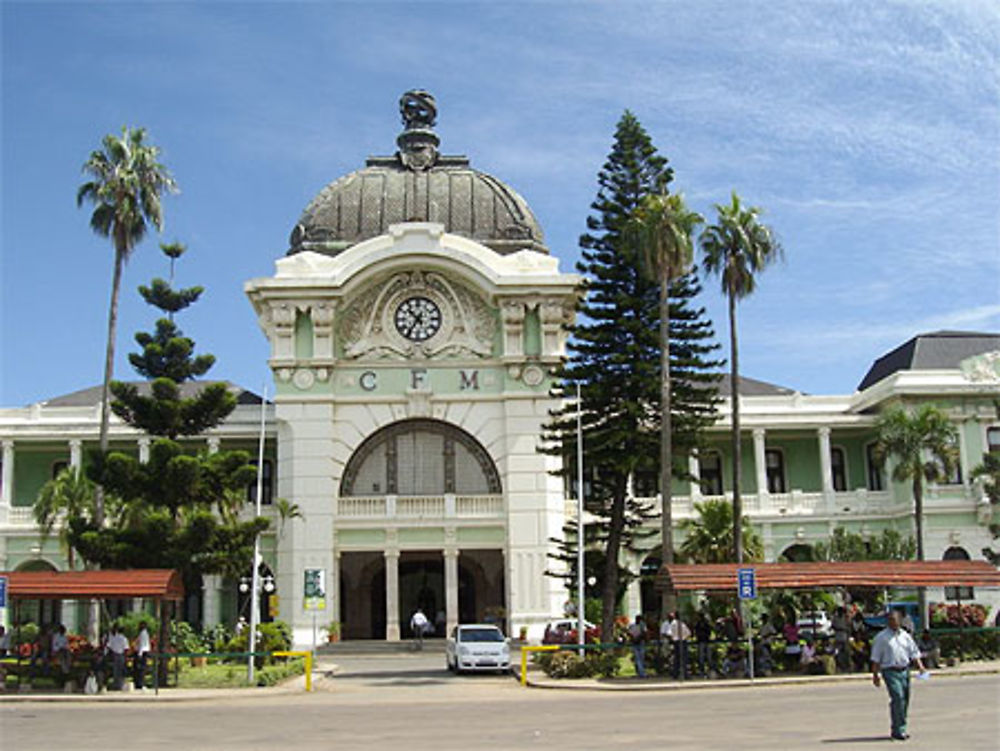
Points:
[(876, 478), (838, 468), (710, 471), (267, 484), (420, 457), (798, 553), (774, 462), (956, 553)]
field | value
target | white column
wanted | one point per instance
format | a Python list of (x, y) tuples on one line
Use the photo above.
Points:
[(694, 469), (144, 450), (211, 586), (825, 462), (213, 444), (391, 595), (7, 480), (760, 463), (76, 454), (451, 588), (333, 587)]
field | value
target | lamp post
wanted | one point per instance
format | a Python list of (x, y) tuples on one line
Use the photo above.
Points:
[(579, 522), (255, 571)]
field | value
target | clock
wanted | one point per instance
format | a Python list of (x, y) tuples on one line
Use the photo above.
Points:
[(418, 319)]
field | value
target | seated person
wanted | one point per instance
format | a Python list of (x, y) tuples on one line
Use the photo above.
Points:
[(860, 650), (808, 661), (930, 651), (735, 664)]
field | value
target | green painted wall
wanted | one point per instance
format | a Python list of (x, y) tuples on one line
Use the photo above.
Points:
[(422, 536), (748, 472), (33, 468), (303, 336), (480, 535), (362, 537), (532, 333)]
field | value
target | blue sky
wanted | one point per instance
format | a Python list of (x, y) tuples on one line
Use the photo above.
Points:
[(868, 131)]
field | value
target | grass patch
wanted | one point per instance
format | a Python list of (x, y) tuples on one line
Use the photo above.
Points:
[(234, 675)]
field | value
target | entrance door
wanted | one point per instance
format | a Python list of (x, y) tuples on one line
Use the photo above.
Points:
[(421, 585)]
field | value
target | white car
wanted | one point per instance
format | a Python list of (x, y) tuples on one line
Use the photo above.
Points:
[(814, 623), (477, 646)]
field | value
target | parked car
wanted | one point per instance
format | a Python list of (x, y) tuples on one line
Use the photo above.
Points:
[(477, 646), (814, 623), (563, 631), (880, 621)]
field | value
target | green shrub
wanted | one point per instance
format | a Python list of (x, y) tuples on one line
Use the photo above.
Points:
[(604, 662), (218, 637), (26, 633), (271, 637), (975, 644), (184, 638), (272, 675)]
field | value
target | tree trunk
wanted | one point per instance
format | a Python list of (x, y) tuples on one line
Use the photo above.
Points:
[(918, 514), (109, 366), (734, 389), (669, 601), (609, 595)]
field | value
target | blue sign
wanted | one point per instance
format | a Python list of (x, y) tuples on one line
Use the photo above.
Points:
[(747, 584), (3, 591)]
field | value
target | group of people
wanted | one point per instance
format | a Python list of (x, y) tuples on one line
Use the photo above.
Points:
[(51, 647)]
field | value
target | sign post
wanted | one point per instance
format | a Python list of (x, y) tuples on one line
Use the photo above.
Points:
[(746, 588), (314, 594), (3, 591)]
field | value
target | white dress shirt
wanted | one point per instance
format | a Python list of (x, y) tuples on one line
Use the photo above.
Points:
[(894, 649)]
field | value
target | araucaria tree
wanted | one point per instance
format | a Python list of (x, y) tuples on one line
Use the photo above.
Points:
[(178, 509), (736, 249), (615, 358), (125, 186), (922, 446), (988, 474)]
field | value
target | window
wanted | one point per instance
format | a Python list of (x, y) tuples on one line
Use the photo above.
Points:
[(993, 440), (267, 477), (955, 476), (876, 480), (710, 469), (838, 467), (59, 466), (645, 484), (774, 461), (956, 553)]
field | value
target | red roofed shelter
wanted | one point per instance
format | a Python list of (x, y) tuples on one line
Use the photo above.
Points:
[(158, 585), (828, 575)]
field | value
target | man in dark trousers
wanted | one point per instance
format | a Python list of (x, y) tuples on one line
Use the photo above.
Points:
[(892, 652)]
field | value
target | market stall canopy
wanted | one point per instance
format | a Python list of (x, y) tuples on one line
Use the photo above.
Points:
[(162, 584), (829, 575)]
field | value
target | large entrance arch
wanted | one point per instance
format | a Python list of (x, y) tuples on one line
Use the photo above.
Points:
[(433, 553)]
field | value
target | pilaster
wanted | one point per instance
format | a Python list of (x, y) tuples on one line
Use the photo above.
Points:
[(760, 464)]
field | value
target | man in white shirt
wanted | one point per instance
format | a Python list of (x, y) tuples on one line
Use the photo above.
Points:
[(679, 635), (892, 652), (60, 649), (117, 644), (142, 650), (418, 625)]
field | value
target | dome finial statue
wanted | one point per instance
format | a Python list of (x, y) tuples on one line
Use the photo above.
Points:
[(418, 142)]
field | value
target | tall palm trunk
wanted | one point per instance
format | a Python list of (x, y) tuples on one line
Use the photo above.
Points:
[(109, 364), (734, 390), (669, 601), (918, 512)]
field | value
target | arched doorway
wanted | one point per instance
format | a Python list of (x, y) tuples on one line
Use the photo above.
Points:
[(267, 603), (40, 612), (652, 601), (798, 553)]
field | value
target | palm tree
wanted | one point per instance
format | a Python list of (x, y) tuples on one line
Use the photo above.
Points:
[(69, 495), (286, 510), (737, 248), (708, 538), (126, 185), (662, 226), (921, 444)]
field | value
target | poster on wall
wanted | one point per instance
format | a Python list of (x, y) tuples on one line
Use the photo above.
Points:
[(315, 589)]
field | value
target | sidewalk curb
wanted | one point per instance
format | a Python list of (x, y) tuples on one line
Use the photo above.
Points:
[(701, 685)]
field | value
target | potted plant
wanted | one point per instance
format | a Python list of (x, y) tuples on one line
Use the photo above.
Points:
[(333, 631)]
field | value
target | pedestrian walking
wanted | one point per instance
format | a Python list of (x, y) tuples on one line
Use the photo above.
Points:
[(892, 652), (637, 635), (418, 626)]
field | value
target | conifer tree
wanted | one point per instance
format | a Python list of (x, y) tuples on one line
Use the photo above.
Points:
[(615, 357), (178, 509)]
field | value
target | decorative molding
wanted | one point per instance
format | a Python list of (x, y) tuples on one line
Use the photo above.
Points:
[(368, 330), (984, 368), (304, 379)]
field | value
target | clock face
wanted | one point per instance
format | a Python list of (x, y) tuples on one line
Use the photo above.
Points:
[(418, 319)]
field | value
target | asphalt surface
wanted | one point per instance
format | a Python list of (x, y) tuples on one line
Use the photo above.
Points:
[(410, 702)]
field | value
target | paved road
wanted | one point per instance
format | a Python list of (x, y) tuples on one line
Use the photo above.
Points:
[(408, 702)]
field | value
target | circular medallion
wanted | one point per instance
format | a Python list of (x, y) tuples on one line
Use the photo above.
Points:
[(417, 319), (533, 375), (303, 379)]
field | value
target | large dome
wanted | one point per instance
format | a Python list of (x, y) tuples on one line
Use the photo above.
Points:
[(417, 184)]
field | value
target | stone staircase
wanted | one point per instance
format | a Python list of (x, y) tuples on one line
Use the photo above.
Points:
[(378, 647)]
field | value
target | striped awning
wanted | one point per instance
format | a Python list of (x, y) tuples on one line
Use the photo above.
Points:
[(830, 575), (163, 584)]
